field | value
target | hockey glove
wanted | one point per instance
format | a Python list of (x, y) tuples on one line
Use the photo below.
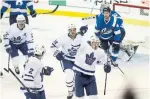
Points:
[(30, 53), (8, 50), (1, 15), (0, 40), (116, 46), (83, 30), (47, 70), (33, 14), (59, 55), (107, 68)]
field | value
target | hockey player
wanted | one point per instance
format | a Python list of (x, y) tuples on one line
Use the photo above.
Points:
[(114, 13), (19, 37), (109, 33), (89, 55), (69, 43), (33, 75), (18, 7), (123, 47)]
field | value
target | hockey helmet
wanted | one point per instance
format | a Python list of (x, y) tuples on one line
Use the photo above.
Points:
[(39, 50), (106, 9), (104, 5), (21, 21), (72, 30), (94, 42), (71, 26)]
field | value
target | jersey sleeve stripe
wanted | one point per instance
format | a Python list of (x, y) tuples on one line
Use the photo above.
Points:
[(117, 32), (6, 5), (29, 76), (18, 10), (29, 4), (114, 23), (28, 80)]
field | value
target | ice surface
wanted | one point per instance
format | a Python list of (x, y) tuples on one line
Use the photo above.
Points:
[(46, 28)]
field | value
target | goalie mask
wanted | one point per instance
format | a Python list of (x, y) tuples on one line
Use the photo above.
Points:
[(72, 30), (21, 21), (94, 42)]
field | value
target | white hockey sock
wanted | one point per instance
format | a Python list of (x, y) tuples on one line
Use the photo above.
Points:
[(69, 79)]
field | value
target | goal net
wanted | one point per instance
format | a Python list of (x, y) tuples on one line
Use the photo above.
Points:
[(138, 16), (139, 12)]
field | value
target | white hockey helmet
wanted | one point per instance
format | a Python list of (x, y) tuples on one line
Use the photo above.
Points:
[(93, 38), (20, 18), (71, 26), (94, 42), (39, 50), (72, 30), (21, 21)]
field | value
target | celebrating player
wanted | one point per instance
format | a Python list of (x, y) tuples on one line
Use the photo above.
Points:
[(108, 31), (33, 75), (89, 55), (17, 7), (19, 37), (69, 43)]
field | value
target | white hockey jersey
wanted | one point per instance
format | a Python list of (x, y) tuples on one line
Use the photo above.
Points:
[(68, 46), (87, 58), (16, 36), (32, 75)]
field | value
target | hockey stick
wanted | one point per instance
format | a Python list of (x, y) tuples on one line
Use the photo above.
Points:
[(89, 17), (7, 70), (19, 80), (105, 84), (106, 76), (57, 6), (120, 70)]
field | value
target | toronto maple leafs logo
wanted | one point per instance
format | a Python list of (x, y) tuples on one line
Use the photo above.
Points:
[(73, 50), (90, 58), (16, 39)]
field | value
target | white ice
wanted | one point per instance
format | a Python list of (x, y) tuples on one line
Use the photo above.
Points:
[(46, 28)]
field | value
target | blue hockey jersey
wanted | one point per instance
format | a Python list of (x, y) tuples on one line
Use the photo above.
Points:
[(17, 6), (114, 13), (107, 30)]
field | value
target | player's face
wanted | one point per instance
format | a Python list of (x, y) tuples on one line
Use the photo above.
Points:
[(73, 32), (106, 15), (95, 45), (21, 24)]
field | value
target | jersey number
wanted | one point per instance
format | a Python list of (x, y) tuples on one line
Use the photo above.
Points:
[(31, 70)]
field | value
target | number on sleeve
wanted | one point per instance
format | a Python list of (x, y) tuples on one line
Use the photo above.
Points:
[(31, 70)]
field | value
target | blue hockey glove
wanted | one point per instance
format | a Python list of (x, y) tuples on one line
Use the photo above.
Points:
[(59, 55), (47, 70), (8, 50), (33, 14), (83, 30), (107, 68), (30, 53)]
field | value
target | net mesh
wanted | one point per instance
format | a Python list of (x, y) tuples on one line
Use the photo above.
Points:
[(135, 11)]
